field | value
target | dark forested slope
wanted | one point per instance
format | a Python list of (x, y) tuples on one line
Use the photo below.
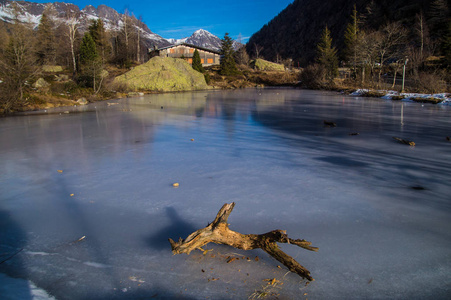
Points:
[(295, 32)]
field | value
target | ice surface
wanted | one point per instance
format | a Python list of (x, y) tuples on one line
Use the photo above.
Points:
[(15, 289), (378, 210)]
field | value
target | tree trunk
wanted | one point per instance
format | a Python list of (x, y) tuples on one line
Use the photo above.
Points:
[(218, 232), (394, 78)]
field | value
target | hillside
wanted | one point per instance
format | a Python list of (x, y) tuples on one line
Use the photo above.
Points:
[(295, 32)]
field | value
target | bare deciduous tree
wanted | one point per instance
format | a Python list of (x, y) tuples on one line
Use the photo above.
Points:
[(367, 52), (72, 27), (389, 44), (138, 40), (258, 49)]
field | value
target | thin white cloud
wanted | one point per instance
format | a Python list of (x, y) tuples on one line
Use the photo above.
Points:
[(180, 29)]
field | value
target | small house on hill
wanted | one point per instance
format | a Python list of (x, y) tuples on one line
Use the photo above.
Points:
[(208, 57)]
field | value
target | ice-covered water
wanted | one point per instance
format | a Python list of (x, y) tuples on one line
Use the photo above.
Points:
[(379, 211)]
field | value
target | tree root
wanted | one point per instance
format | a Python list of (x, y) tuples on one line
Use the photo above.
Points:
[(218, 232)]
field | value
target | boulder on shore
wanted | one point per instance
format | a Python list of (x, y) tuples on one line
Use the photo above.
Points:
[(264, 65), (163, 74), (41, 83), (82, 101)]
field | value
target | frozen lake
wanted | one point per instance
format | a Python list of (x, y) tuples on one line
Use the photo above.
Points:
[(379, 210)]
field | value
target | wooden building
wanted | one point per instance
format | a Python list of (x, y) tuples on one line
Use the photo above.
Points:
[(208, 57)]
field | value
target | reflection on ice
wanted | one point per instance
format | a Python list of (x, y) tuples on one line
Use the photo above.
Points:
[(268, 150)]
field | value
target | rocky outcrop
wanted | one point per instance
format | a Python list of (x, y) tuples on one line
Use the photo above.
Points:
[(163, 74)]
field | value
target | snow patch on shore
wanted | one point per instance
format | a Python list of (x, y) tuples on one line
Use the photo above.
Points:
[(389, 95)]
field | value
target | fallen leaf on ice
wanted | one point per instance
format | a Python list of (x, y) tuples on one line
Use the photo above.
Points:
[(272, 281), (230, 259)]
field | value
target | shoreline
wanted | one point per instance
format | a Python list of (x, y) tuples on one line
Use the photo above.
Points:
[(439, 98)]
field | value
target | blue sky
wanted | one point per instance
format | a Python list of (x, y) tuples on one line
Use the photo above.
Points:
[(180, 18)]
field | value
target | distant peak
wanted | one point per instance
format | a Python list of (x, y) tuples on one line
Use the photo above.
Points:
[(201, 31)]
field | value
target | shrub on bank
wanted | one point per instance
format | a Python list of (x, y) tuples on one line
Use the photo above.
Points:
[(430, 83), (313, 77)]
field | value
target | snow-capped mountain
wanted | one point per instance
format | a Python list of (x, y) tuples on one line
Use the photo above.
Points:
[(204, 39), (31, 12), (200, 38), (177, 41)]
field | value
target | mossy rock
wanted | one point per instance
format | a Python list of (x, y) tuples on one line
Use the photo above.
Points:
[(264, 65), (163, 74), (426, 100), (52, 69), (374, 94), (41, 83)]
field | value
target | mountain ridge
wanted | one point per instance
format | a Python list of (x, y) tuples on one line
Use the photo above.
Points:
[(31, 13)]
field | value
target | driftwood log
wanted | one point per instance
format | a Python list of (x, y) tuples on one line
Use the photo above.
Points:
[(329, 123), (218, 232), (403, 141)]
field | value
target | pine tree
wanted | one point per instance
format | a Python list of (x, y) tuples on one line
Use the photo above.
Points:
[(446, 47), (352, 39), (45, 41), (100, 37), (197, 63), (90, 62), (440, 24), (88, 50), (327, 55), (228, 65), (438, 18)]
